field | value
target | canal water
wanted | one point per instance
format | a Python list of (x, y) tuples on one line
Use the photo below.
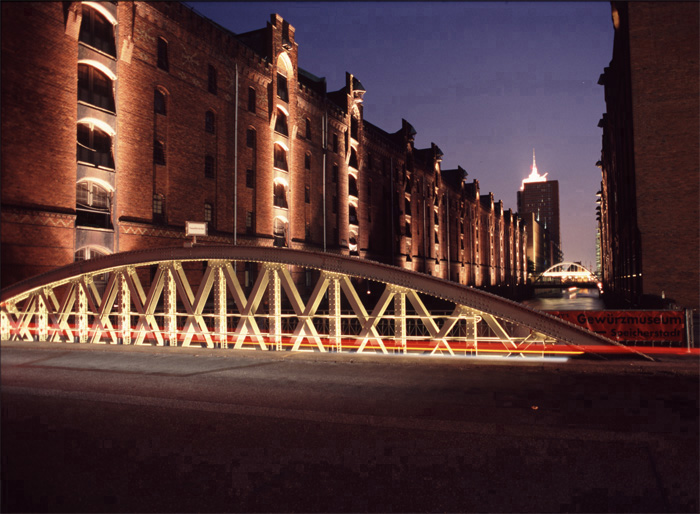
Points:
[(573, 299)]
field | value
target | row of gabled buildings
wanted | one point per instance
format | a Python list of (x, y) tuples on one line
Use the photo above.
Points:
[(124, 120)]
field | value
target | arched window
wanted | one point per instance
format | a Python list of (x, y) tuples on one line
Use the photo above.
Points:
[(282, 73), (93, 205), (280, 195), (307, 162), (209, 166), (159, 103), (352, 214), (353, 159), (251, 100), (352, 244), (158, 208), (209, 122), (354, 128), (281, 158), (280, 229), (281, 123), (352, 186), (94, 146), (308, 129), (97, 31), (163, 54), (95, 87)]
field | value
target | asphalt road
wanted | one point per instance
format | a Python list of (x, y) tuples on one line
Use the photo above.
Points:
[(142, 429)]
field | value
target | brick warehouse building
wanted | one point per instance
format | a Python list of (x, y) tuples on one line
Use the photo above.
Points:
[(649, 218), (177, 119)]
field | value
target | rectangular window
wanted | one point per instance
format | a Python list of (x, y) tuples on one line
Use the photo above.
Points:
[(212, 79), (335, 204), (159, 102), (307, 162), (250, 178), (209, 166), (249, 222), (162, 54), (282, 92), (307, 194), (251, 100), (250, 138), (158, 152), (307, 232), (308, 129), (335, 173), (208, 212), (335, 143)]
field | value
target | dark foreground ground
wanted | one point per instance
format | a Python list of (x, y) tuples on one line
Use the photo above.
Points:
[(141, 429)]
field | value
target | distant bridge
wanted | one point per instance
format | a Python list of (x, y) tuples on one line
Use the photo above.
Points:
[(566, 274), (194, 297)]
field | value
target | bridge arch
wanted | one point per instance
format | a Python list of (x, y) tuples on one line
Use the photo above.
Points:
[(193, 296), (567, 272)]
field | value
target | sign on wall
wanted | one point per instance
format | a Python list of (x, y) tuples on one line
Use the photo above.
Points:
[(667, 326)]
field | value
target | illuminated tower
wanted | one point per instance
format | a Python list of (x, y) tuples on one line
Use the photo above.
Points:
[(540, 197)]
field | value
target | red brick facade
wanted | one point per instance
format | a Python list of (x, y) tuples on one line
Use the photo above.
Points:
[(649, 227), (179, 120)]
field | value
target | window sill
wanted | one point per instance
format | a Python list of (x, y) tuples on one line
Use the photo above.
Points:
[(97, 229), (91, 165), (93, 106), (94, 49)]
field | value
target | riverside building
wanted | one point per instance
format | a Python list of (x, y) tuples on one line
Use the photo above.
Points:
[(124, 120)]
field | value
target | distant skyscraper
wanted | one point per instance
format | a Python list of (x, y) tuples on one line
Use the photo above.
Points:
[(540, 197)]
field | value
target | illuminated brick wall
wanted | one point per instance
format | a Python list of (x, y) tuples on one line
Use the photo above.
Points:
[(171, 162)]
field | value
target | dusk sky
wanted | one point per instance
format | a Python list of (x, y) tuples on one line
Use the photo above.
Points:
[(486, 82)]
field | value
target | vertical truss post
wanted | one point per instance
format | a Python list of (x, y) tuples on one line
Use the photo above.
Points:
[(220, 305), (274, 292), (170, 305), (81, 314), (43, 318), (470, 333), (335, 331), (4, 325), (124, 307), (400, 319)]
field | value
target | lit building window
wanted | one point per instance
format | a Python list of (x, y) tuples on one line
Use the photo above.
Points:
[(96, 31), (282, 92), (281, 123), (353, 159), (209, 122), (94, 146), (280, 232), (163, 54), (352, 186), (211, 79), (280, 195), (95, 87), (159, 105), (281, 158), (352, 215), (93, 206)]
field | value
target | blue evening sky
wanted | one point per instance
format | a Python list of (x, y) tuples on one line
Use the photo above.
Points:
[(485, 81)]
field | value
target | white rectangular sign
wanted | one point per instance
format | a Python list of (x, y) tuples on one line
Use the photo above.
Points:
[(196, 228)]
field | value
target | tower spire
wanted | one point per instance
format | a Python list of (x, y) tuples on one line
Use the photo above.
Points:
[(534, 165)]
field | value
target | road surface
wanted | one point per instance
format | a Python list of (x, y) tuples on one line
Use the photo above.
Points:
[(89, 428)]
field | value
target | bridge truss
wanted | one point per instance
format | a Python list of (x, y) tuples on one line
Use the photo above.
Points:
[(197, 297), (567, 272)]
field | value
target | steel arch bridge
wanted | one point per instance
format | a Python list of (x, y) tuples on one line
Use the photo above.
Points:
[(193, 296), (565, 273)]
